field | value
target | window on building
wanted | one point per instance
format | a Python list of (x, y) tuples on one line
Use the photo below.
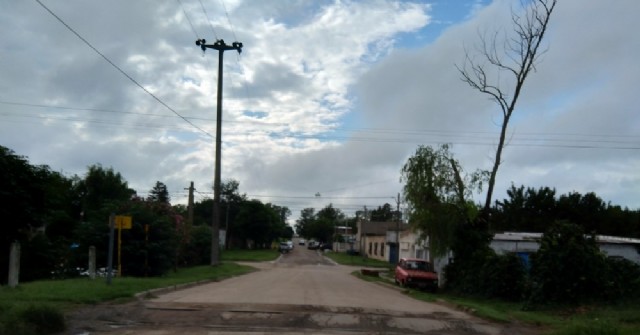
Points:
[(370, 246), (382, 247), (375, 248)]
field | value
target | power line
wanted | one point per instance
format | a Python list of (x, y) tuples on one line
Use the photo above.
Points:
[(188, 19), (119, 69), (391, 131), (134, 113), (208, 20), (530, 139), (229, 20)]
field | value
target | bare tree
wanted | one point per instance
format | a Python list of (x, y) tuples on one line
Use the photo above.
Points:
[(515, 54)]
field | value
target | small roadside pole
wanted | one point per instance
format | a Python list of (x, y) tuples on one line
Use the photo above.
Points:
[(92, 262), (120, 222), (112, 219), (14, 265)]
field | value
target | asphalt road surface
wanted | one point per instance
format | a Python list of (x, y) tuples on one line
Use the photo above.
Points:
[(300, 293)]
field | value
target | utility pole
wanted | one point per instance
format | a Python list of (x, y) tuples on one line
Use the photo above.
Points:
[(215, 227), (190, 207), (398, 230)]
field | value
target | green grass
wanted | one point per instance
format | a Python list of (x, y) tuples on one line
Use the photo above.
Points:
[(344, 259), (87, 291), (595, 320), (262, 255), (31, 304), (622, 319)]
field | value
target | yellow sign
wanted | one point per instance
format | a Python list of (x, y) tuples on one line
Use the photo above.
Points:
[(123, 222)]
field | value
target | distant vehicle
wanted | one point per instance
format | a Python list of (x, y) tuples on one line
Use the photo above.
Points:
[(313, 245), (301, 242), (419, 273), (326, 246), (285, 247)]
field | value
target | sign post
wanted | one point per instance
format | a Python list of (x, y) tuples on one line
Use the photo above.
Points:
[(122, 222), (112, 219)]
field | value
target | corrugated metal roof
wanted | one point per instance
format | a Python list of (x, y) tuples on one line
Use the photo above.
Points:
[(380, 228), (522, 236)]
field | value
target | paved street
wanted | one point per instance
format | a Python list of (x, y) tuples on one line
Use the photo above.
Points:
[(300, 293)]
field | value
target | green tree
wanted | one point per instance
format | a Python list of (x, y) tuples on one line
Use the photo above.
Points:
[(525, 210), (39, 203), (150, 252), (568, 268), (331, 214), (588, 211), (198, 250), (382, 213), (438, 195), (280, 227), (100, 188), (304, 223), (159, 194), (255, 224)]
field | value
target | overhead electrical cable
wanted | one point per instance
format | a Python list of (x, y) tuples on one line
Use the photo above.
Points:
[(120, 70), (208, 20), (372, 135), (189, 20), (228, 20)]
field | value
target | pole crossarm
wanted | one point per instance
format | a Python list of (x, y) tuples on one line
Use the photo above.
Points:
[(219, 45)]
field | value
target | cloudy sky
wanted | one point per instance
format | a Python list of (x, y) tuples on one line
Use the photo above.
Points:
[(326, 101)]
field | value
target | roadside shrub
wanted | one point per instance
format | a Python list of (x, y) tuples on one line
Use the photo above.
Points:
[(504, 277), (569, 268), (471, 255), (34, 319), (623, 280)]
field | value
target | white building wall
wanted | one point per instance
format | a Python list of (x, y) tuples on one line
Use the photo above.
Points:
[(502, 247), (629, 252)]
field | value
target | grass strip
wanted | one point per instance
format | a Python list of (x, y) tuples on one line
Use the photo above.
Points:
[(31, 307), (619, 319), (344, 259)]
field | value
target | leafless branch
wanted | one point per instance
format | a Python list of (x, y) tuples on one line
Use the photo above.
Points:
[(516, 54)]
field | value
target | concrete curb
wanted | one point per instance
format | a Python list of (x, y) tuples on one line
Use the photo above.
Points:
[(150, 293)]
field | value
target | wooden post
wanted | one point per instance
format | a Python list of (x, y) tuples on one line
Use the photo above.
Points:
[(14, 264), (92, 262)]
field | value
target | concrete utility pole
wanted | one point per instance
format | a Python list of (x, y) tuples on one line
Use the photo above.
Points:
[(215, 227), (398, 230), (14, 265), (190, 207)]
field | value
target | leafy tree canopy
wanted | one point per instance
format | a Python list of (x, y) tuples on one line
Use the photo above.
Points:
[(159, 194), (382, 213), (438, 195)]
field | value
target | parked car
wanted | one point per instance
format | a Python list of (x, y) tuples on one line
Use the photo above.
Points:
[(313, 245), (418, 273), (285, 247), (326, 246)]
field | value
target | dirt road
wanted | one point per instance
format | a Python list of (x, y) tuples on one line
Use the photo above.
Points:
[(300, 293)]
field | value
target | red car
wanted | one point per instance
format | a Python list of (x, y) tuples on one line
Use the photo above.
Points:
[(413, 272)]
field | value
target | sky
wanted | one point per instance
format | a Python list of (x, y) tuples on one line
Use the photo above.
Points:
[(326, 101)]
